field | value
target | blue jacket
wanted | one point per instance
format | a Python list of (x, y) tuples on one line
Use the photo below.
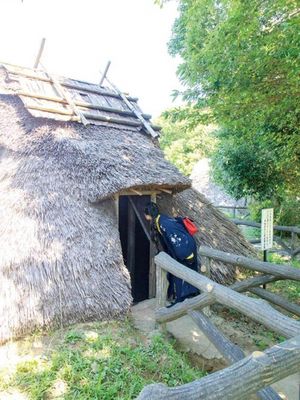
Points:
[(178, 242)]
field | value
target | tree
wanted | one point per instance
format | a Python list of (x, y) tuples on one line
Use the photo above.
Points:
[(241, 60), (183, 139), (247, 169)]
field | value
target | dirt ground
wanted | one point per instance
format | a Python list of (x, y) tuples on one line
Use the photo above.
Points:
[(243, 332), (239, 329)]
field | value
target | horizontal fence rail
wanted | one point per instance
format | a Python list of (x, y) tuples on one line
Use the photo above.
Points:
[(232, 207), (285, 271), (247, 375), (257, 309), (206, 299), (292, 229)]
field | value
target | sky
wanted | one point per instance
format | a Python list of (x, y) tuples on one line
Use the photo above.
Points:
[(82, 36)]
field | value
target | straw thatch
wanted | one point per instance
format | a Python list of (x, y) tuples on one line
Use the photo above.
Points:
[(61, 259), (214, 229), (60, 252)]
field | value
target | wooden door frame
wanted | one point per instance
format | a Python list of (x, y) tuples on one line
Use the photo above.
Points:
[(131, 239)]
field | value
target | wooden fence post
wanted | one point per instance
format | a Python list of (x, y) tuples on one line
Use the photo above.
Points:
[(205, 269), (259, 310), (293, 243), (161, 287)]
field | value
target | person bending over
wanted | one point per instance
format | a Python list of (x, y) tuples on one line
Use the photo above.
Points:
[(179, 244)]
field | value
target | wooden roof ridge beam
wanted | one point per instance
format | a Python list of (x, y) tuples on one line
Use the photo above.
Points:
[(136, 192), (119, 121), (166, 190), (83, 104), (70, 85)]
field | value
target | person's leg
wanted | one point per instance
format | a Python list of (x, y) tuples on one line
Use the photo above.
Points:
[(171, 287), (189, 290)]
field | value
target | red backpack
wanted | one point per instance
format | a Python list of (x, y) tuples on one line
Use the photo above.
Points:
[(190, 226)]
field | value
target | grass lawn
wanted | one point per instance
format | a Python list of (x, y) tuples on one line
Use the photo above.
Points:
[(289, 289), (109, 360)]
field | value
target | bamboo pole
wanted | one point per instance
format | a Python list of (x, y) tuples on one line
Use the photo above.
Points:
[(65, 83), (65, 95), (81, 104), (138, 114), (104, 73), (38, 58), (120, 121)]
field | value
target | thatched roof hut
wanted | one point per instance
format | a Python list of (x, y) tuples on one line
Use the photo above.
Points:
[(61, 244)]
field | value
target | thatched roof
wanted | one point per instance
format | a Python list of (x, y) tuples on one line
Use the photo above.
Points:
[(61, 259), (215, 230), (64, 99)]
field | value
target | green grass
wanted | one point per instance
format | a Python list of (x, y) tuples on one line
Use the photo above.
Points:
[(107, 361), (289, 289), (250, 232)]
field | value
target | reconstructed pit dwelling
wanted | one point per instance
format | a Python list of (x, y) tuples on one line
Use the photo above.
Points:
[(77, 167)]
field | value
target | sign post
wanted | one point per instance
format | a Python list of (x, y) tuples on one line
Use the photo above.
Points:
[(267, 215)]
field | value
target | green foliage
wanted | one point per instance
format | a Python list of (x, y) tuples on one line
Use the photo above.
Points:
[(184, 139), (246, 169), (242, 60), (110, 362), (286, 210), (287, 288)]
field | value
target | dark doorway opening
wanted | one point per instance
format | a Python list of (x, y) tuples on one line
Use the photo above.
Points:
[(134, 234)]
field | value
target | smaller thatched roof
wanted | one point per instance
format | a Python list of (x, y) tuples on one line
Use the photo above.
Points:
[(202, 181)]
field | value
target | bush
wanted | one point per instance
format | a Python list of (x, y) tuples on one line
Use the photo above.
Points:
[(286, 211)]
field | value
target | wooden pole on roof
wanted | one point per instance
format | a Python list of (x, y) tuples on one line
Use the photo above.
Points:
[(37, 61), (66, 96), (104, 73), (137, 113)]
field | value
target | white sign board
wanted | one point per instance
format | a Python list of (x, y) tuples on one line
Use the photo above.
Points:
[(267, 228)]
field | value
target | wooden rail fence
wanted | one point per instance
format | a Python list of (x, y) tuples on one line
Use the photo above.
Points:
[(246, 375), (293, 249)]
